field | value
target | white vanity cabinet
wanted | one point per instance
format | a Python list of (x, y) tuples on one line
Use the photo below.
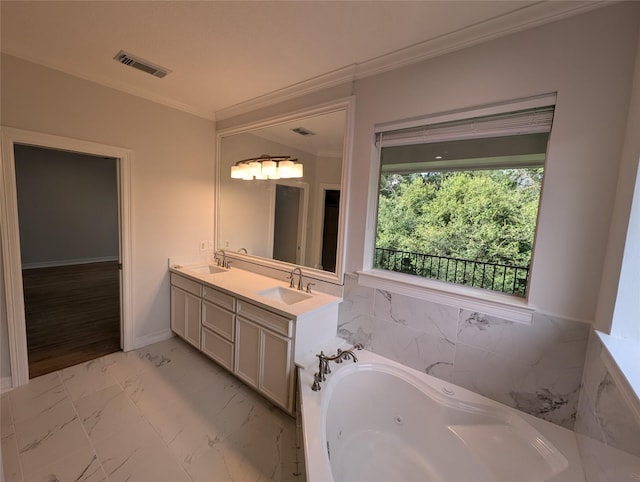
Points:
[(185, 308), (252, 342), (264, 354)]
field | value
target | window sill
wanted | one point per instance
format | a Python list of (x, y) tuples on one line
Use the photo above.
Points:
[(490, 303), (622, 359)]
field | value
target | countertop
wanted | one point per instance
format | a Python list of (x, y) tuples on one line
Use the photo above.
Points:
[(245, 285)]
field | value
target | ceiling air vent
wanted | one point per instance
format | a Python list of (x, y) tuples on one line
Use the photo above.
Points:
[(141, 64), (303, 132)]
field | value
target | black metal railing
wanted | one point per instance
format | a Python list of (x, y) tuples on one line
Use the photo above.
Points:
[(480, 274)]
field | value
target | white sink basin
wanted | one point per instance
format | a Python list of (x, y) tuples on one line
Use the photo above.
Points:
[(284, 295), (206, 269)]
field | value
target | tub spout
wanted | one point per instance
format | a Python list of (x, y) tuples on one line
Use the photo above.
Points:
[(323, 364)]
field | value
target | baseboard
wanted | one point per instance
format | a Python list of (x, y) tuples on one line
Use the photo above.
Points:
[(143, 341), (5, 384), (68, 262)]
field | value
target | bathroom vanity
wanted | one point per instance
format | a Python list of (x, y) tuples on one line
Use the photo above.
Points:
[(254, 326)]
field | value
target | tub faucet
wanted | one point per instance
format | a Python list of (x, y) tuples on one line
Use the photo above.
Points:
[(323, 365)]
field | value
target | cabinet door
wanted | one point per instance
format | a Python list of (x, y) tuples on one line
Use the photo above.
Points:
[(218, 348), (185, 315), (276, 377), (178, 310), (192, 322), (247, 359)]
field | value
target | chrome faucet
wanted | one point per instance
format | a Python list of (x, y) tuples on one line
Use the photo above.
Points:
[(293, 271), (323, 364), (216, 257)]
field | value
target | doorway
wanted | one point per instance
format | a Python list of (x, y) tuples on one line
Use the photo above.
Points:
[(16, 342), (289, 224), (69, 246), (330, 229)]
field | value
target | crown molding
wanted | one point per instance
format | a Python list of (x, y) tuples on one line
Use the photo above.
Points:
[(315, 84), (519, 20)]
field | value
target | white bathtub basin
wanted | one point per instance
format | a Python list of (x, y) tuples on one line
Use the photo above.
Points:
[(376, 422)]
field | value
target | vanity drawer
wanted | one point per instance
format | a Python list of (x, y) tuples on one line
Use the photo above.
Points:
[(219, 298), (186, 284), (274, 322), (218, 319), (216, 347)]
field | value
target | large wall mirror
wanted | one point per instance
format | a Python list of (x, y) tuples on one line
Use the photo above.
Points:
[(292, 221)]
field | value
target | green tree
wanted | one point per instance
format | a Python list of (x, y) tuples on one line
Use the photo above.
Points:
[(486, 215)]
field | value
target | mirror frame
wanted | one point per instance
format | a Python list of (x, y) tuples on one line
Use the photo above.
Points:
[(346, 104)]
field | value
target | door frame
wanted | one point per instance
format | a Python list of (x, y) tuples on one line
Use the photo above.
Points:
[(302, 215), (10, 238), (323, 187)]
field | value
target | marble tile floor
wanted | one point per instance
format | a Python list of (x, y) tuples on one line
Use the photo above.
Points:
[(161, 413)]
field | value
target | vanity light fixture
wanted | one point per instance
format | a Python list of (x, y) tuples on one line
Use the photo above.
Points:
[(267, 167)]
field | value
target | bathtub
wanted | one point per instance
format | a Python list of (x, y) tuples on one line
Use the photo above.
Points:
[(379, 421)]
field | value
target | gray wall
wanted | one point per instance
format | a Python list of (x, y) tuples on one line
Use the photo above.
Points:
[(67, 206)]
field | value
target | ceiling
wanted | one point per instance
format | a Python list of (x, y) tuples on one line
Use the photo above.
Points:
[(228, 57)]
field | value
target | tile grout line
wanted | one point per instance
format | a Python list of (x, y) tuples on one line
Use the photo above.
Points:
[(148, 422), (73, 404), (15, 441)]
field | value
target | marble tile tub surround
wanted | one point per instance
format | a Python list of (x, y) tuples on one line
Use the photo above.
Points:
[(536, 368), (161, 413), (608, 433)]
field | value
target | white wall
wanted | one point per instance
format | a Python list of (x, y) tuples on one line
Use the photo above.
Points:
[(173, 169), (588, 61), (619, 303)]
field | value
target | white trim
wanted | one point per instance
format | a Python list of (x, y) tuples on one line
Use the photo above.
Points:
[(621, 357), (494, 304), (68, 262), (348, 105), (5, 384), (325, 81), (11, 242), (145, 340), (488, 302), (12, 272)]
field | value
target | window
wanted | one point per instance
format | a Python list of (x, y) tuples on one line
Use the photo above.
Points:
[(458, 199)]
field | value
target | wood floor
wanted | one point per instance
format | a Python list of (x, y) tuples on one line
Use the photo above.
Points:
[(72, 314)]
